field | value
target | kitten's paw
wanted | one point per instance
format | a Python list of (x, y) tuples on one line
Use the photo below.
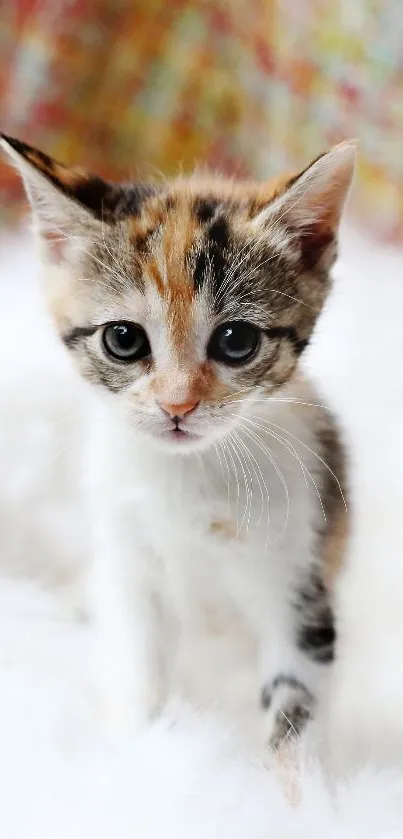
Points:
[(288, 706)]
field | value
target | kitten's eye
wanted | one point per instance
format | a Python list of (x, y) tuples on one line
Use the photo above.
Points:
[(234, 343), (125, 341)]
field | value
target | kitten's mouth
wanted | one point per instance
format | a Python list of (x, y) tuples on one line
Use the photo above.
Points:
[(180, 438), (180, 435)]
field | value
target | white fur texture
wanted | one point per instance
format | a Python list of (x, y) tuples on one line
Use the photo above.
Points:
[(58, 776)]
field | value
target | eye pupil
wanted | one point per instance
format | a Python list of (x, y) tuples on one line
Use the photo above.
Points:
[(123, 336), (234, 343), (125, 341)]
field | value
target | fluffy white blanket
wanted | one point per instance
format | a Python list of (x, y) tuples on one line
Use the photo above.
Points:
[(187, 776)]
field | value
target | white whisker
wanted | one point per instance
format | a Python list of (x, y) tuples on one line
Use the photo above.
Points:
[(237, 455), (248, 481), (290, 448), (269, 454), (260, 479)]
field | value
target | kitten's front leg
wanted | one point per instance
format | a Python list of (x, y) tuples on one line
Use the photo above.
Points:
[(288, 706), (295, 670), (291, 686), (125, 649)]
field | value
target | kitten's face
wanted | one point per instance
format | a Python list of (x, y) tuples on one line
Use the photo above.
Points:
[(181, 301), (186, 310)]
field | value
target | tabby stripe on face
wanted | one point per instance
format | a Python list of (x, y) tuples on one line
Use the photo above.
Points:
[(130, 200), (212, 261), (205, 208), (72, 338), (290, 334), (109, 379)]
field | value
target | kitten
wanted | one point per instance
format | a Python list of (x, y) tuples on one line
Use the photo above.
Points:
[(214, 490)]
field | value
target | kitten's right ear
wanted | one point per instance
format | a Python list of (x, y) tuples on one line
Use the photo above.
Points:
[(69, 204), (66, 203)]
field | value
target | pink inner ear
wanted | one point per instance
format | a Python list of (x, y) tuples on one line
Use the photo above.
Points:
[(56, 244), (315, 239)]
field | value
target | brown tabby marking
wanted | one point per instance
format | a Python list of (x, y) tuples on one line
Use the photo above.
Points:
[(335, 547), (224, 528)]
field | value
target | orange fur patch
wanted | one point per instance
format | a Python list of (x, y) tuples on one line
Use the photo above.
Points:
[(38, 161), (67, 177), (224, 528), (335, 547), (70, 178), (178, 237), (155, 274), (202, 385), (141, 227), (207, 386)]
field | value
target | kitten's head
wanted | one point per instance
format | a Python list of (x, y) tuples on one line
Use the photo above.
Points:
[(180, 300)]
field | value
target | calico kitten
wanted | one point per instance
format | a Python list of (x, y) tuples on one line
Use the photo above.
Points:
[(214, 471)]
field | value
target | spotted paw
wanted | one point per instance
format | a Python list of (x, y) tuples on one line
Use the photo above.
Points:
[(288, 706)]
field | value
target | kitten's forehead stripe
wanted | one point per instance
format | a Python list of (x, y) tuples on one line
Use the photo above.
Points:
[(170, 203), (133, 199), (219, 233), (154, 273), (205, 208), (178, 236), (213, 261), (152, 214)]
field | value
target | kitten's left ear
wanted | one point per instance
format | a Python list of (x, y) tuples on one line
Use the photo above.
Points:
[(310, 205), (66, 202)]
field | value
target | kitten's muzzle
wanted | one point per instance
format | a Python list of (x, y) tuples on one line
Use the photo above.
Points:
[(177, 412)]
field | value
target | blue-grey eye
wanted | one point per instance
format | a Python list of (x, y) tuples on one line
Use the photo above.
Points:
[(125, 341), (234, 343)]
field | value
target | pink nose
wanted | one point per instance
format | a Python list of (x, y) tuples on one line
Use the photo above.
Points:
[(180, 410)]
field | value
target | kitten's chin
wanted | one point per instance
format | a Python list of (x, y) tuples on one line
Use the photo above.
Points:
[(182, 442)]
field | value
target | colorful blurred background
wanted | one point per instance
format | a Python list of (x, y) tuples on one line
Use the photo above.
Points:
[(130, 88)]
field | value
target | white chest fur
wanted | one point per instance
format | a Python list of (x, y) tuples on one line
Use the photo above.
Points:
[(219, 541)]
